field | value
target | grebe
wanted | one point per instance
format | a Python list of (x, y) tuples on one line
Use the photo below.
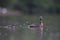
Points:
[(40, 25)]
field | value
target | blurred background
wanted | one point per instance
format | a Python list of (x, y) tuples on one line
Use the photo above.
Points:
[(16, 15)]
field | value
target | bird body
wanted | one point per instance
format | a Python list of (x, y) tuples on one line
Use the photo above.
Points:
[(34, 25), (39, 26)]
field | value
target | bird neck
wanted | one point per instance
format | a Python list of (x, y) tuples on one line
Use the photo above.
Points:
[(41, 22)]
